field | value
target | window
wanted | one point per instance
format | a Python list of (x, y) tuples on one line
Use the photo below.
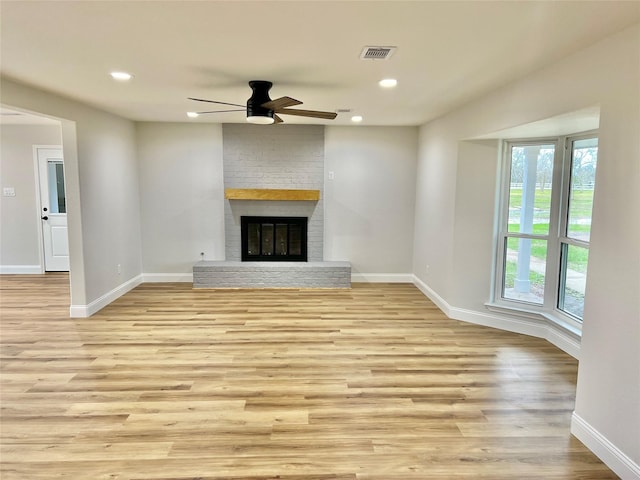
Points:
[(575, 224), (545, 224)]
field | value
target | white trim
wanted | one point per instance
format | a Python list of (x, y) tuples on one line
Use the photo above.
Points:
[(537, 315), (562, 340), (612, 456), (82, 311), (36, 171), (540, 327), (21, 270), (432, 295), (382, 277), (562, 334), (516, 325), (167, 277)]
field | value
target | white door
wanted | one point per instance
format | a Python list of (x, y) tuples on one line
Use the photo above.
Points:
[(53, 210)]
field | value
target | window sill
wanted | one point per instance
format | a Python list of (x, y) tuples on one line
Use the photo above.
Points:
[(538, 315)]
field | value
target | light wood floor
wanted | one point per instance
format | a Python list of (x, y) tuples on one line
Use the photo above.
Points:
[(170, 383)]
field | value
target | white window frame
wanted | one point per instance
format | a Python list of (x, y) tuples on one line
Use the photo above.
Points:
[(559, 209), (564, 217)]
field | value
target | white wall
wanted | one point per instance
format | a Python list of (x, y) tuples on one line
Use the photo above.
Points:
[(455, 192), (472, 247), (369, 204), (608, 396), (102, 192), (181, 195), (19, 215), (435, 207), (110, 202)]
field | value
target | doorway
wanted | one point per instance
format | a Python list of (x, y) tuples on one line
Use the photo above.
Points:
[(53, 208)]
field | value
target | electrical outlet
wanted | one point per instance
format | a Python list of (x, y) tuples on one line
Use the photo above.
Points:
[(331, 175), (119, 267), (8, 192)]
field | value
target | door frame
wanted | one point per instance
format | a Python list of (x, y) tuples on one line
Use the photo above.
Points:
[(36, 166)]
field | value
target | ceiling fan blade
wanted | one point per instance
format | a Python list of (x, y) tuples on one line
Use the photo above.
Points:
[(222, 111), (280, 103), (277, 119), (213, 101), (308, 113)]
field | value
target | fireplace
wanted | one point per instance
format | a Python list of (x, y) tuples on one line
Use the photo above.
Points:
[(274, 239)]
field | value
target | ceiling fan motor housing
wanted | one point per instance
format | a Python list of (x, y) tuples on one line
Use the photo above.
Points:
[(258, 98)]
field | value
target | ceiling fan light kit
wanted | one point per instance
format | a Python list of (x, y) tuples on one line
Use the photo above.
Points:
[(260, 119), (262, 110)]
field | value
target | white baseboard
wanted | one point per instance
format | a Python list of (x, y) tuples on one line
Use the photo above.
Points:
[(21, 270), (82, 311), (606, 451), (432, 295), (516, 325), (382, 277), (167, 277), (563, 341), (541, 328)]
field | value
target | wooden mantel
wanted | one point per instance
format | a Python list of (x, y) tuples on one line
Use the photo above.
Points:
[(270, 194)]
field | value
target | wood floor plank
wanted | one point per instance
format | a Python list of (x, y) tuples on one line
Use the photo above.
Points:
[(372, 383)]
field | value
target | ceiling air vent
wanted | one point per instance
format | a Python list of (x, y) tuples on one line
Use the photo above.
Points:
[(377, 53)]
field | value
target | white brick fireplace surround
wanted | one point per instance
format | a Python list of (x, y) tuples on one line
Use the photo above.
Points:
[(273, 157)]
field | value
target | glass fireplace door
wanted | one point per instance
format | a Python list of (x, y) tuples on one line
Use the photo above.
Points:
[(274, 239)]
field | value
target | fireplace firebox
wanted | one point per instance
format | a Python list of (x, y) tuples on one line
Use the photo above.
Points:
[(274, 239)]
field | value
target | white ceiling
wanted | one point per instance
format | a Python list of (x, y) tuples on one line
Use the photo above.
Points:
[(448, 51)]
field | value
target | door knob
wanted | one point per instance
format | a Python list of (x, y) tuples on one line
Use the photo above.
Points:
[(45, 218)]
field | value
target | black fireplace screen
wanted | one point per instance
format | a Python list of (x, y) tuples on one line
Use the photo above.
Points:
[(274, 239)]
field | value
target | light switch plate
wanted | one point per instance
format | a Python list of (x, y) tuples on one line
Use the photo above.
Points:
[(8, 192)]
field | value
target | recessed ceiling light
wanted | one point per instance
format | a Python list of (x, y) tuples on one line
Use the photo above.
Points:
[(388, 83), (356, 118), (122, 76), (192, 114)]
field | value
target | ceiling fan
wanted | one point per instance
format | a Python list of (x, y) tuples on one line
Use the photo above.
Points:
[(264, 111)]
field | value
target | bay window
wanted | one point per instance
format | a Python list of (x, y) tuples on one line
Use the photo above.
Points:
[(545, 224)]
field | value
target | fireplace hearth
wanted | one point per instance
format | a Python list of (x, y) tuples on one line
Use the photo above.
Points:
[(273, 239)]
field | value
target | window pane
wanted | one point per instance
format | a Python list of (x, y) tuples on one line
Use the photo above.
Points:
[(295, 240), (55, 174), (524, 269), (253, 233), (573, 278), (583, 177), (281, 239), (530, 188), (267, 239)]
